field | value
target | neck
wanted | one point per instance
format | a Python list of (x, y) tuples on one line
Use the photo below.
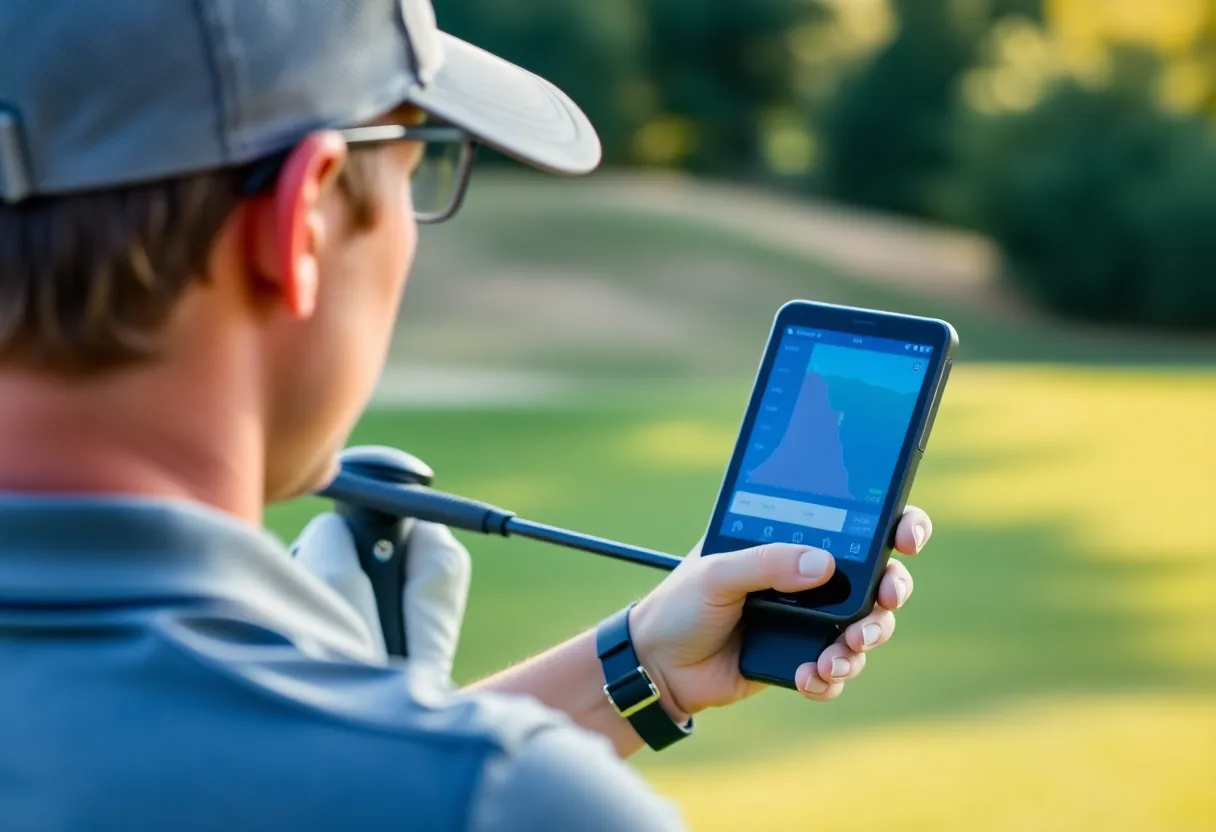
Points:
[(144, 434)]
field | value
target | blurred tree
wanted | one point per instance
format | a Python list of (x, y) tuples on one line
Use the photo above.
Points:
[(674, 83), (1103, 203), (595, 51), (887, 132), (1182, 33), (1029, 9), (1088, 155), (721, 69)]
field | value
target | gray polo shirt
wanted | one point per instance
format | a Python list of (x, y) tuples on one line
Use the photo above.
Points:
[(165, 667)]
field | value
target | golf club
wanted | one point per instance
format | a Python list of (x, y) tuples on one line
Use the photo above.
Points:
[(381, 491)]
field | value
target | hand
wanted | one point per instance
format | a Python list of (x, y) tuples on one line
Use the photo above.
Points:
[(438, 570), (686, 631)]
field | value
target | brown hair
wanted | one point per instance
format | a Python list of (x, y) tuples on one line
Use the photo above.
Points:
[(89, 281)]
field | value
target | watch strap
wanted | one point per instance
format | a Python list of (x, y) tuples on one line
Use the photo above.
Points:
[(629, 687)]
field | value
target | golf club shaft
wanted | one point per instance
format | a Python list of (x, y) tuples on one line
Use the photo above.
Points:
[(519, 527), (426, 504)]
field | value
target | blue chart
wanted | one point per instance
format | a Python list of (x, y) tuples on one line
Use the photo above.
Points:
[(846, 427)]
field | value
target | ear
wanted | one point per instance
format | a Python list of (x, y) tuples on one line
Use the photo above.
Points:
[(290, 226)]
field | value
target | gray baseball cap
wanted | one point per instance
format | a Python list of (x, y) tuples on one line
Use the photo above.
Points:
[(101, 93)]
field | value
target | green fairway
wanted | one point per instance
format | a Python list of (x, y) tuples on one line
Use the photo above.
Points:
[(1042, 582)]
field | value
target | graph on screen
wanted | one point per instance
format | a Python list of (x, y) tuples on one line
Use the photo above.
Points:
[(846, 426)]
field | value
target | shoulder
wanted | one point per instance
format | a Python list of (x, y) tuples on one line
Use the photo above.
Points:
[(236, 658), (566, 778), (506, 762)]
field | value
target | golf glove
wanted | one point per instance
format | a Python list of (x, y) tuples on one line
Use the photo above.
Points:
[(438, 571)]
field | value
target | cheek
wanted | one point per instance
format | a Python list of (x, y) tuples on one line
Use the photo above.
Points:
[(382, 270), (401, 238), (328, 366), (371, 287), (363, 283)]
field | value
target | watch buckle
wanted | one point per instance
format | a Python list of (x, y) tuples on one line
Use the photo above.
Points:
[(620, 684)]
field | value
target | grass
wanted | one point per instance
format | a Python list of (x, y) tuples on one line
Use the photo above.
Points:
[(1131, 763), (714, 289), (1057, 664)]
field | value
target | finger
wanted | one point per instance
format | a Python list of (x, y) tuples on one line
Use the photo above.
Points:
[(730, 577), (839, 664), (433, 549), (327, 549), (813, 686), (896, 586), (435, 595), (915, 529), (872, 631)]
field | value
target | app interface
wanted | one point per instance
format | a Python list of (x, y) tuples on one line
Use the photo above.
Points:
[(826, 440)]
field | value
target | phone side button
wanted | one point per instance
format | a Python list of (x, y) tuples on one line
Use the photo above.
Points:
[(937, 400)]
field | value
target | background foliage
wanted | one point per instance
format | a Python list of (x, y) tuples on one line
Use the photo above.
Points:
[(922, 108)]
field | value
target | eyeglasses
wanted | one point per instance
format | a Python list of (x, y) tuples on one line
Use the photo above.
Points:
[(439, 183)]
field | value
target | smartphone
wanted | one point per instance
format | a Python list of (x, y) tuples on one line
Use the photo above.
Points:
[(837, 422)]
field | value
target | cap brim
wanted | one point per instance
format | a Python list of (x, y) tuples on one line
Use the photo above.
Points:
[(509, 109)]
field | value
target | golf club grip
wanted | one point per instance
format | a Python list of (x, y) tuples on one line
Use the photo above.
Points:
[(374, 533), (405, 499)]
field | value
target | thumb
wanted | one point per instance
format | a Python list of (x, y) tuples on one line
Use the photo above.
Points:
[(730, 577)]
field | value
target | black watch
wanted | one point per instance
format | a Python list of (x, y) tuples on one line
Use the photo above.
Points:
[(629, 687)]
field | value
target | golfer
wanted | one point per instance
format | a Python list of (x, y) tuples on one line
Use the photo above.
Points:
[(208, 210)]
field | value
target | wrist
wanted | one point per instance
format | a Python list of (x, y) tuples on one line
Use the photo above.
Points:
[(649, 658), (632, 689)]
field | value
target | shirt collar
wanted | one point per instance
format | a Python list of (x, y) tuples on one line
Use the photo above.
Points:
[(99, 551)]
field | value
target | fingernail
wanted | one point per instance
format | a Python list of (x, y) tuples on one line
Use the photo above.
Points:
[(901, 592), (870, 634), (918, 534), (841, 667), (813, 564), (815, 685)]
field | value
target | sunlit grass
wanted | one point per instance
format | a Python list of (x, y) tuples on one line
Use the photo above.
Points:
[(1132, 764), (685, 444), (1127, 460), (1056, 669), (1123, 462)]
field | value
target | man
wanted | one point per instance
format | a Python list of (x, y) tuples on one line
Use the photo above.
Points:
[(207, 212)]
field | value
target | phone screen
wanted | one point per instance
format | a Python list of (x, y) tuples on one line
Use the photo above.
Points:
[(823, 448)]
